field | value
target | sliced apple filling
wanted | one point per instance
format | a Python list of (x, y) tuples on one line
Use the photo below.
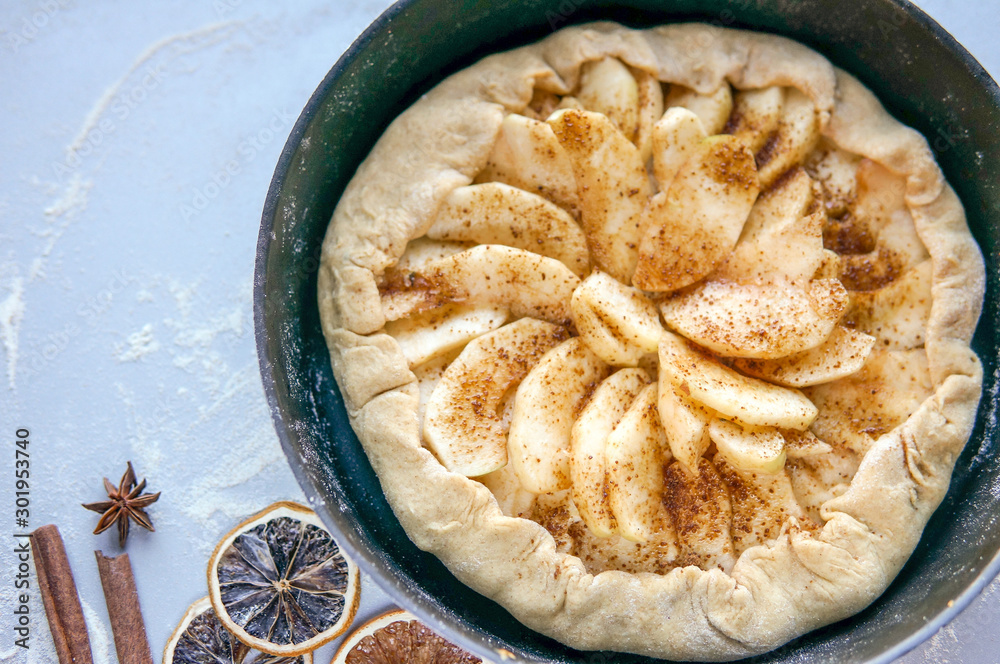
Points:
[(664, 324)]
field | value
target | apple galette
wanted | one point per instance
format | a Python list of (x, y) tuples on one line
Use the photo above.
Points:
[(658, 338)]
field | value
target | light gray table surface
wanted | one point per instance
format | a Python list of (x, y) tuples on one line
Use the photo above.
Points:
[(137, 146)]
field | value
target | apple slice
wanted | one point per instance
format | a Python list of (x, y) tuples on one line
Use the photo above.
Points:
[(779, 237), (752, 449), (489, 274), (428, 376), (843, 353), (856, 410), (881, 217), (836, 171), (636, 453), (817, 479), (685, 423), (714, 109), (528, 156), (797, 133), (588, 462), (756, 115), (567, 102), (599, 338), (766, 501), (829, 267), (545, 407), (702, 514), (761, 321), (881, 202), (881, 212), (462, 424), (496, 213), (897, 314), (436, 332), (791, 199), (617, 322), (423, 251), (693, 225), (512, 498), (675, 138), (749, 401), (804, 444), (793, 248), (898, 238), (608, 87), (613, 187), (650, 111)]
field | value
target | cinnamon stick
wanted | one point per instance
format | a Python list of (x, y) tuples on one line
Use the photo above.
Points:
[(122, 599), (58, 590)]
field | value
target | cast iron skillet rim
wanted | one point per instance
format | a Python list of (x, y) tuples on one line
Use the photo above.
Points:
[(390, 583), (953, 45), (991, 569)]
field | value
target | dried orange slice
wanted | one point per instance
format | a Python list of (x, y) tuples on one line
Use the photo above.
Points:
[(200, 638), (280, 583), (398, 637)]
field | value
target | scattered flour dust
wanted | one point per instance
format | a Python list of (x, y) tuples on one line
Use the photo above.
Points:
[(216, 421), (100, 641), (943, 647), (992, 588), (138, 345), (59, 214), (157, 56), (70, 203), (174, 46), (70, 196), (11, 314), (940, 647), (992, 397)]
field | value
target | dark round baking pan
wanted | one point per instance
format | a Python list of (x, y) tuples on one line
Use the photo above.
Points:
[(918, 70)]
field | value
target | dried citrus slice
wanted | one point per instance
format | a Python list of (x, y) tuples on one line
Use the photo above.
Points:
[(200, 638), (281, 584), (398, 637)]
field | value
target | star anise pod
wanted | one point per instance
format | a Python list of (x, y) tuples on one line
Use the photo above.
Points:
[(127, 502)]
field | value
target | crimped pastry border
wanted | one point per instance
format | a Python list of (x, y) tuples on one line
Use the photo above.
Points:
[(775, 592)]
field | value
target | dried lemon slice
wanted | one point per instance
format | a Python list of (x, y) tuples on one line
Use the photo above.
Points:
[(397, 636), (200, 638), (281, 584)]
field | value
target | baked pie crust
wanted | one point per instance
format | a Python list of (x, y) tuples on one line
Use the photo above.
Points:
[(800, 548)]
